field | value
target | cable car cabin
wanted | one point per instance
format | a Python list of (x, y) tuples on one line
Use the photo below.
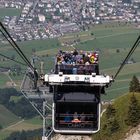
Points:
[(77, 86), (76, 109)]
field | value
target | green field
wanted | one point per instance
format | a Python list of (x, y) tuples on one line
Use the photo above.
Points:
[(3, 80), (106, 38), (6, 117), (12, 123), (9, 12)]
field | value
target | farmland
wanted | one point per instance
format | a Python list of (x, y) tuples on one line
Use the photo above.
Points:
[(11, 123), (4, 117), (112, 40)]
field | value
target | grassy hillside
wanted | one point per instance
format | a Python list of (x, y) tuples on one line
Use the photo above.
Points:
[(3, 80), (121, 105), (6, 117), (24, 125), (106, 37)]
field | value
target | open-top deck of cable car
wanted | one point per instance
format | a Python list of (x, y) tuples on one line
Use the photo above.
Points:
[(77, 62), (77, 68)]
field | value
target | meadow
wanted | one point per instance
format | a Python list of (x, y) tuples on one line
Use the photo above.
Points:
[(113, 41), (11, 123), (9, 12)]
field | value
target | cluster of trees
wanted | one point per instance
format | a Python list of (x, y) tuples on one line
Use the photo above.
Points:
[(133, 114), (112, 124), (132, 118), (22, 108), (26, 135)]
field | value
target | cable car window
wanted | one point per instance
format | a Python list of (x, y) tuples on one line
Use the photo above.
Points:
[(76, 116)]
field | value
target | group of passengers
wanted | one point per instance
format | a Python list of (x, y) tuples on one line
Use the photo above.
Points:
[(76, 118), (75, 57)]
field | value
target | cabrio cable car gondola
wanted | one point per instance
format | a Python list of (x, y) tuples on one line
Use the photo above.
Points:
[(77, 87)]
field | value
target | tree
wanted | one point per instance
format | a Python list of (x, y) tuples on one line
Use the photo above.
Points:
[(25, 135), (111, 125), (110, 111), (133, 114), (134, 85)]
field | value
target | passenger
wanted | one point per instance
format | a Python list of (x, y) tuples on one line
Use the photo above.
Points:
[(59, 58), (75, 52), (90, 116), (67, 117), (87, 63), (86, 58), (74, 70), (78, 58), (82, 117), (87, 68), (75, 116), (81, 69)]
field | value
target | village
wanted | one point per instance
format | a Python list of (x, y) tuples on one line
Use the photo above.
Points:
[(51, 19)]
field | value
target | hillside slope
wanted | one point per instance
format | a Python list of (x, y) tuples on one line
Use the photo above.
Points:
[(7, 117), (121, 106), (133, 134)]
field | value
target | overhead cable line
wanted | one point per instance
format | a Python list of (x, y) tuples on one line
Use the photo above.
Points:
[(13, 59), (137, 42), (12, 45), (15, 46)]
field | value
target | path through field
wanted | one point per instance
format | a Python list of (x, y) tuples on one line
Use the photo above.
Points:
[(13, 125)]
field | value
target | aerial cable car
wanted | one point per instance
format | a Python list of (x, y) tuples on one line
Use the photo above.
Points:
[(76, 104), (76, 89)]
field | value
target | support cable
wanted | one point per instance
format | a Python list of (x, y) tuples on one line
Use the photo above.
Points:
[(128, 56), (15, 46), (13, 59)]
